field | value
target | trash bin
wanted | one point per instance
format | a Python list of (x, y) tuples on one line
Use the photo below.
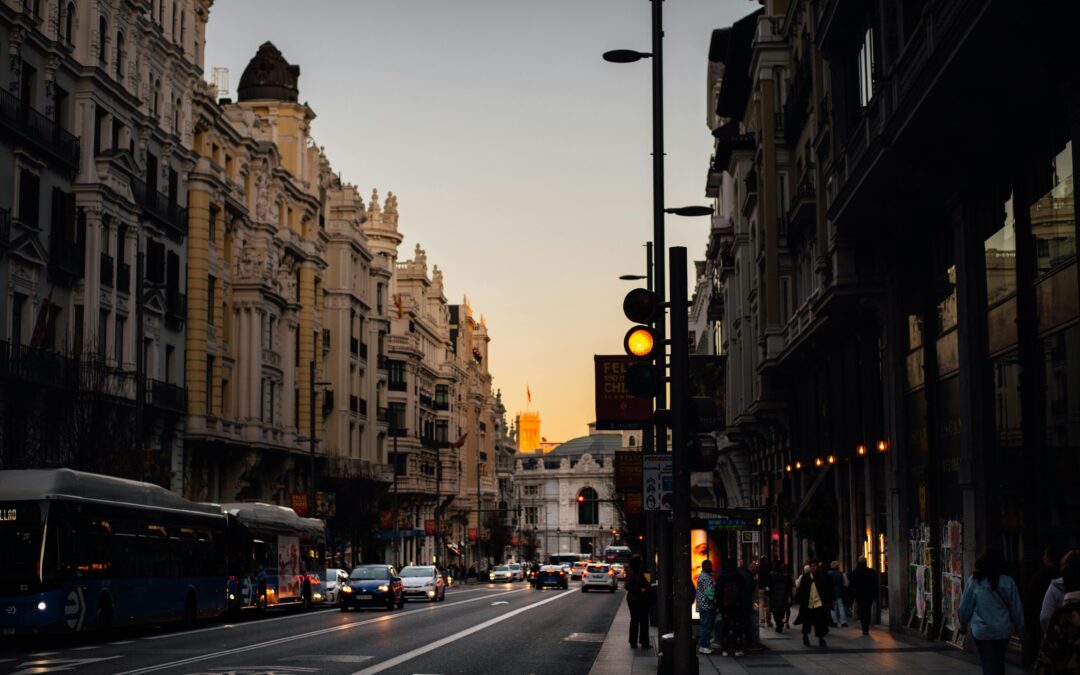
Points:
[(666, 657)]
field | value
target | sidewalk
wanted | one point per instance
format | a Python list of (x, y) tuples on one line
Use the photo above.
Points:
[(849, 652)]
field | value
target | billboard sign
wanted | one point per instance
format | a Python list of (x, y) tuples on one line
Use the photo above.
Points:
[(627, 470), (616, 407)]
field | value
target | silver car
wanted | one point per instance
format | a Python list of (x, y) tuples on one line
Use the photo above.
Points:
[(598, 575), (330, 584), (501, 573), (518, 570), (423, 581)]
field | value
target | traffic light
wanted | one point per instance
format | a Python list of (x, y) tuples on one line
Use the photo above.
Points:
[(643, 307), (581, 499)]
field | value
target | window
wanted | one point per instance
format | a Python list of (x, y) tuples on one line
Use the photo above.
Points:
[(210, 300), (262, 399), (170, 358), (209, 385), (866, 68), (531, 490), (531, 515), (29, 197), (17, 305), (396, 418), (77, 331), (213, 224), (588, 507), (120, 55), (103, 32), (60, 107), (1052, 220), (103, 331), (69, 23), (157, 98), (118, 341)]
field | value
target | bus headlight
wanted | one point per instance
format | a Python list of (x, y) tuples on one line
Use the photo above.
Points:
[(41, 606)]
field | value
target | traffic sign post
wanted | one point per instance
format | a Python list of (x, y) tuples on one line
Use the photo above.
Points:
[(656, 482)]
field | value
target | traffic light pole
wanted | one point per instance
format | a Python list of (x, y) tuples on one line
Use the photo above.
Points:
[(685, 656)]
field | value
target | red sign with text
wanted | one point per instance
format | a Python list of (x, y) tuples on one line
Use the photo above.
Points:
[(299, 503), (617, 408)]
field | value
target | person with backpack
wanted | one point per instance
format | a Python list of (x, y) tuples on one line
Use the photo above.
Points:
[(731, 589), (706, 606), (638, 597), (1060, 648), (991, 610), (814, 596), (779, 593)]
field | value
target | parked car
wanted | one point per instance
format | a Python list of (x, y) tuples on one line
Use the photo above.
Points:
[(331, 579), (501, 573), (371, 585), (423, 581), (598, 575), (620, 571), (551, 576), (519, 573), (577, 570)]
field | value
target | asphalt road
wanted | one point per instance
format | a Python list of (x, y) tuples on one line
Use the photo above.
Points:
[(492, 628)]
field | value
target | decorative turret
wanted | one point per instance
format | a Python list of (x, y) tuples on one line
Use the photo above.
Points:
[(269, 76)]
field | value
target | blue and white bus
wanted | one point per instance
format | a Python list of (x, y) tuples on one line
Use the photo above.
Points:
[(81, 551), (275, 557)]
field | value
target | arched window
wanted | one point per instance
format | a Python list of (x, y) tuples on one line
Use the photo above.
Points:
[(157, 98), (103, 32), (120, 55), (588, 510), (69, 23)]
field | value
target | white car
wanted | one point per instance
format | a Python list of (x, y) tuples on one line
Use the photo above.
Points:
[(518, 570), (501, 573), (330, 584), (422, 581), (598, 575)]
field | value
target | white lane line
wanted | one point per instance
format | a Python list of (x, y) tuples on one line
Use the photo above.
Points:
[(408, 656), (303, 636), (254, 622), (122, 642), (86, 649)]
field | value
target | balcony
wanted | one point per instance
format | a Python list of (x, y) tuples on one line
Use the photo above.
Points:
[(165, 396), (123, 277), (441, 404), (801, 213), (797, 106), (426, 401), (106, 271), (176, 312), (357, 405), (32, 126), (37, 366), (271, 358), (160, 208), (354, 346), (750, 198), (397, 385)]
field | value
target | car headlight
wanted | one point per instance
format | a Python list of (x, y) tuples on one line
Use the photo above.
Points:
[(384, 588), (346, 589)]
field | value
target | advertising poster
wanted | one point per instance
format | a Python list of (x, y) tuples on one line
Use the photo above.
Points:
[(288, 550), (617, 408)]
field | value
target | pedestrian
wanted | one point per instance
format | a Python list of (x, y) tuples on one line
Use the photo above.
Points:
[(729, 593), (779, 591), (1060, 648), (838, 612), (764, 568), (1056, 591), (991, 610), (706, 606), (1034, 593), (814, 596), (864, 586), (749, 572), (638, 597)]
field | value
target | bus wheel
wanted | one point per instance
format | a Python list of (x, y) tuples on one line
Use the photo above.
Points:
[(191, 611), (104, 618)]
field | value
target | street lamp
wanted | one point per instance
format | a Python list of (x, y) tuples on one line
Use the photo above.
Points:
[(625, 56), (690, 211), (632, 277)]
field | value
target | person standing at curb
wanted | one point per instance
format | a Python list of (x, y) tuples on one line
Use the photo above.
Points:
[(638, 595), (990, 608), (864, 586), (706, 606)]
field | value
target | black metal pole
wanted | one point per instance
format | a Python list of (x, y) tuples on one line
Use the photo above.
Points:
[(311, 442), (140, 366), (685, 658)]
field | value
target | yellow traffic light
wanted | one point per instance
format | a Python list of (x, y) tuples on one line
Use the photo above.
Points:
[(639, 342)]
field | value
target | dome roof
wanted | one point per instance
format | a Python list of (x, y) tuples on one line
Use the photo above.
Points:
[(269, 76)]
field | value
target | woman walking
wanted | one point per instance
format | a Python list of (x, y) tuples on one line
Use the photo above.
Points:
[(637, 599), (991, 610)]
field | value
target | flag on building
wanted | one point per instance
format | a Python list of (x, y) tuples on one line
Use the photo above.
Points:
[(400, 306), (528, 393), (37, 341)]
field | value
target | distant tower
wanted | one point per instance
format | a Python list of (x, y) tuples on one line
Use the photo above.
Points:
[(528, 426)]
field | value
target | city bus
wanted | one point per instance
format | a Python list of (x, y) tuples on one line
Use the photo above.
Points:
[(276, 558), (81, 551), (618, 554)]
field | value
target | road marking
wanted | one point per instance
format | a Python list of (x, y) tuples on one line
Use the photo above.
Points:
[(122, 642), (85, 649), (57, 665), (259, 622), (302, 636), (500, 602), (420, 651)]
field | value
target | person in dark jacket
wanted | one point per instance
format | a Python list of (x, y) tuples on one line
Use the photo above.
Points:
[(1033, 595), (637, 599), (779, 588), (749, 573), (814, 596), (864, 587), (730, 593), (1060, 649)]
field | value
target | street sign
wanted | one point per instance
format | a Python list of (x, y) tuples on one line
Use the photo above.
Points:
[(750, 537), (732, 524), (616, 407), (656, 475)]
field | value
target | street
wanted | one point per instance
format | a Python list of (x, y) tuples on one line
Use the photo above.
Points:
[(478, 629)]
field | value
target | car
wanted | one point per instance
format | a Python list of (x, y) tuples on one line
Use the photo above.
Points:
[(551, 576), (598, 575), (620, 571), (371, 585), (423, 581), (519, 573), (331, 579), (531, 574), (501, 573), (577, 570)]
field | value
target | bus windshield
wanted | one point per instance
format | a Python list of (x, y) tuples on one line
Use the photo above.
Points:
[(20, 547)]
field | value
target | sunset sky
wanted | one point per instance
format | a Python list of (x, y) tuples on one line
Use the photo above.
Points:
[(520, 158)]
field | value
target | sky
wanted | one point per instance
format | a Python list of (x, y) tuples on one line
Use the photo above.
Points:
[(520, 158)]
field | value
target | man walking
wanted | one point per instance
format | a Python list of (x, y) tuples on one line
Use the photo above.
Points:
[(706, 606), (864, 586), (838, 612)]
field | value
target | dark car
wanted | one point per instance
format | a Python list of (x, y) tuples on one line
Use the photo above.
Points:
[(551, 575), (372, 585)]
